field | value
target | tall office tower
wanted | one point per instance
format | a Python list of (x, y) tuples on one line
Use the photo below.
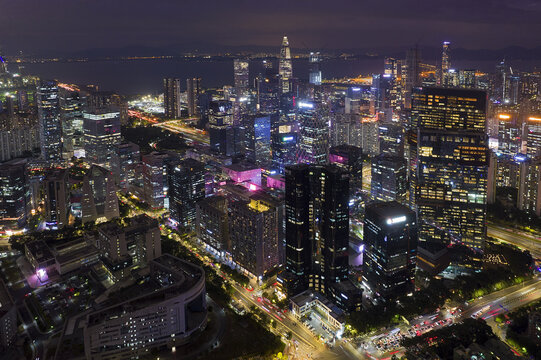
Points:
[(412, 75), (50, 130), (225, 137), (285, 67), (72, 105), (445, 60), (533, 136), (99, 201), (350, 159), (390, 237), (268, 89), (529, 191), (211, 224), (513, 88), (283, 146), (102, 134), (389, 178), (171, 98), (56, 192), (317, 227), (509, 135), (258, 138), (13, 195), (193, 90), (382, 89), (253, 232), (498, 83), (449, 165), (391, 67), (391, 138), (186, 180), (126, 158), (467, 79), (241, 74), (313, 135), (155, 185), (315, 68)]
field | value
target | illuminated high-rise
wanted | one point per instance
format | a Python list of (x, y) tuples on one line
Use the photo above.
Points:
[(285, 67), (445, 60), (171, 98), (390, 236), (315, 70), (389, 178), (101, 135), (533, 136), (72, 104), (313, 143), (50, 129), (241, 75), (193, 89), (186, 181), (449, 165), (268, 89), (509, 135)]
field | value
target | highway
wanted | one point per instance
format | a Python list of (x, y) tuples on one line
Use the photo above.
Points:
[(178, 127), (516, 237)]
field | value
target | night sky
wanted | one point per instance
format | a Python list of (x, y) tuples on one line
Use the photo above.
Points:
[(71, 25)]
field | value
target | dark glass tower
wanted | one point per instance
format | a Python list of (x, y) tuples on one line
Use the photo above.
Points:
[(186, 187), (390, 236), (50, 129), (317, 227)]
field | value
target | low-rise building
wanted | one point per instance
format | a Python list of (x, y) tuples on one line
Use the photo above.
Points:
[(160, 308)]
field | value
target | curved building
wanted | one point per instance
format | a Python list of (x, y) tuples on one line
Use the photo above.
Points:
[(160, 308)]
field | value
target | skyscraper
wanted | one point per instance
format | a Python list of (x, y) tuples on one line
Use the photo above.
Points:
[(72, 104), (258, 138), (313, 135), (99, 201), (390, 236), (317, 227), (350, 159), (193, 89), (241, 75), (533, 136), (50, 129), (389, 178), (254, 235), (56, 192), (268, 89), (171, 98), (13, 194), (315, 70), (186, 187), (101, 134), (412, 75), (445, 60), (285, 67), (283, 147), (509, 135), (449, 166)]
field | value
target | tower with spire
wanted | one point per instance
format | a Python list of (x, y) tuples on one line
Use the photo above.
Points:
[(285, 67)]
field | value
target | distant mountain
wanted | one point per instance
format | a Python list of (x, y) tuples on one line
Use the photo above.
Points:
[(429, 53)]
